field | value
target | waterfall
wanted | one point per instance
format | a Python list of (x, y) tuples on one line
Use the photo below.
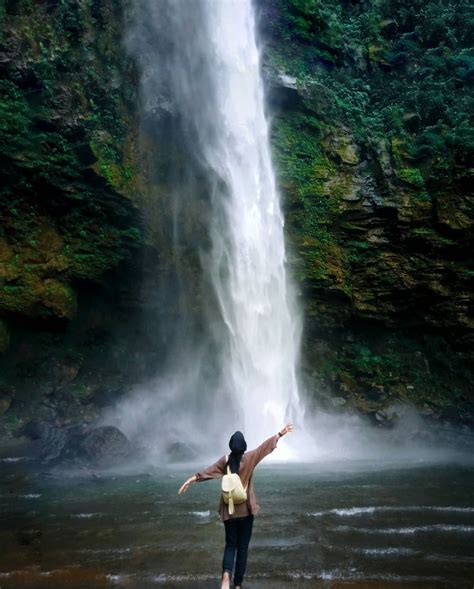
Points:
[(247, 262), (201, 60)]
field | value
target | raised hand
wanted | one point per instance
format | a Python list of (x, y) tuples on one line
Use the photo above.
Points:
[(287, 429)]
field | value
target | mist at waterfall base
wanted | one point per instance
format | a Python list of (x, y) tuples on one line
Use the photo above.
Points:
[(175, 435), (235, 367)]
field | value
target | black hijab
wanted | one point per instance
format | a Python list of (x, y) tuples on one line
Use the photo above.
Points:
[(237, 445)]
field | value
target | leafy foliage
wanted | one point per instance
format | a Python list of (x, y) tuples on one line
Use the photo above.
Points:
[(377, 62)]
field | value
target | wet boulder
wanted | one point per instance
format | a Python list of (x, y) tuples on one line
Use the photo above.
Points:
[(180, 452), (50, 443), (106, 444), (77, 444)]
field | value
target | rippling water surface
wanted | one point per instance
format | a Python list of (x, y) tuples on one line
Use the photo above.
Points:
[(345, 525)]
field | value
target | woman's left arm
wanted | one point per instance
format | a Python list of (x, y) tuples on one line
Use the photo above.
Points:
[(269, 445)]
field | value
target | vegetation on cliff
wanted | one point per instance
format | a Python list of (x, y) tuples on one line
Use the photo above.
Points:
[(67, 189), (373, 141), (64, 168)]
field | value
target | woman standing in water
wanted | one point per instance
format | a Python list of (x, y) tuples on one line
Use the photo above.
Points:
[(238, 526)]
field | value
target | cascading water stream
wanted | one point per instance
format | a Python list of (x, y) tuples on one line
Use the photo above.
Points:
[(205, 54), (248, 244), (247, 261)]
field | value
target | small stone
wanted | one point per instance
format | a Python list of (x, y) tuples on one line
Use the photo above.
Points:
[(376, 236)]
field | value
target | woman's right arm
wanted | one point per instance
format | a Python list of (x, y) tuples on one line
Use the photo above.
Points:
[(185, 486), (215, 471)]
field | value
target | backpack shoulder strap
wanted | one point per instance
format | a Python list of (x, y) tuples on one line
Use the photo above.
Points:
[(227, 462)]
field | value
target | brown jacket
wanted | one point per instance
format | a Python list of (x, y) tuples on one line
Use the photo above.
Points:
[(247, 464)]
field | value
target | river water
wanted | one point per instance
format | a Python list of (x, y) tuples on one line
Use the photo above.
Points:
[(347, 524)]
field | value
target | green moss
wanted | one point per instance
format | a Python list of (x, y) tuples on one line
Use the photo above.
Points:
[(300, 158), (423, 232), (110, 164), (314, 188), (323, 169), (430, 234), (18, 298), (411, 176), (59, 298), (377, 54)]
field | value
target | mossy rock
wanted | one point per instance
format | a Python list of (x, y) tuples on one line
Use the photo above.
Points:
[(37, 297), (347, 151), (59, 298), (113, 163), (455, 211)]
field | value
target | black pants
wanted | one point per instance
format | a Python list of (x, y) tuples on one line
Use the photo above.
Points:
[(238, 532)]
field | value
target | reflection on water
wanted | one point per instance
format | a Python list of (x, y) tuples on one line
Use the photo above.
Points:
[(346, 525)]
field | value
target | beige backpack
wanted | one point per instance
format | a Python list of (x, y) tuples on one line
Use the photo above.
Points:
[(233, 491)]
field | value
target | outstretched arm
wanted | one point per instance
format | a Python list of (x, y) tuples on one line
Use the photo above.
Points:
[(269, 445), (185, 486), (215, 471)]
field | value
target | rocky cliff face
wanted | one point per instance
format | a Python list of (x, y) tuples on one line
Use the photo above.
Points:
[(372, 143), (71, 234), (373, 139)]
